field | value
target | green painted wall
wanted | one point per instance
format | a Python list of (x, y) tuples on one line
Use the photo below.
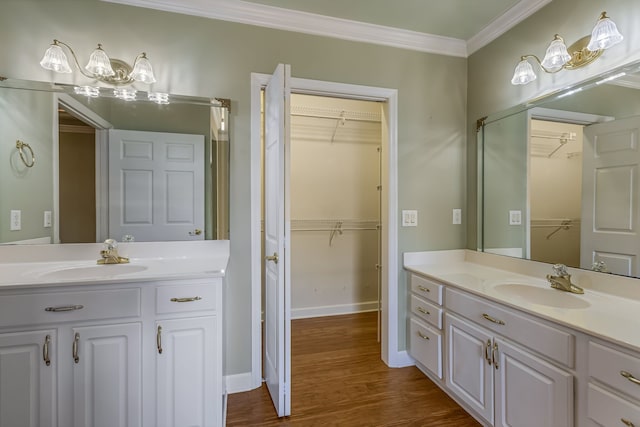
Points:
[(203, 57)]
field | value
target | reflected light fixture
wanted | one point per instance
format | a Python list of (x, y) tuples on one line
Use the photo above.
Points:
[(100, 66), (558, 57)]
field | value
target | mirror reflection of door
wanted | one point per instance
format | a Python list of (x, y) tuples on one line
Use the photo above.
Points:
[(77, 172)]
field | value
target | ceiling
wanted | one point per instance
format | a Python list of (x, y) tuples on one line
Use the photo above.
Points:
[(449, 27)]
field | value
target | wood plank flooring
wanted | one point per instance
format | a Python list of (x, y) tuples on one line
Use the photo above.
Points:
[(338, 379)]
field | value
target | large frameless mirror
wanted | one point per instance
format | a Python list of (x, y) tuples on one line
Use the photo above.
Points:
[(83, 167), (559, 177)]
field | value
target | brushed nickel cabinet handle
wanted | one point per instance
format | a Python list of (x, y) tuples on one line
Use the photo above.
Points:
[(188, 299), (424, 337), (493, 355), (45, 350), (159, 339), (487, 352), (423, 289), (76, 341), (627, 422), (492, 319), (65, 308), (630, 377), (423, 311)]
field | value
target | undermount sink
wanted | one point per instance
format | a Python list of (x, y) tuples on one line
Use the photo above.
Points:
[(94, 271), (541, 296)]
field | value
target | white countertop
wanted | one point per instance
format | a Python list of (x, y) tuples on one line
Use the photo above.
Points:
[(596, 313), (75, 264)]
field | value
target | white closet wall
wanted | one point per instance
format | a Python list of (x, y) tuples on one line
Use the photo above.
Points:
[(335, 173)]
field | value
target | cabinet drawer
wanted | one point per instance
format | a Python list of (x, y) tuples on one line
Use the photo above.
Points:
[(607, 365), (556, 344), (425, 345), (45, 308), (426, 288), (427, 311), (607, 409), (182, 298)]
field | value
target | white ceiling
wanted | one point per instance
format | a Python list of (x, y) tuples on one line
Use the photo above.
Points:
[(449, 27)]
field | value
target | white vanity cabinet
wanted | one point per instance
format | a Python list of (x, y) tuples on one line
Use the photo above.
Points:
[(491, 369), (425, 324), (614, 385), (126, 354)]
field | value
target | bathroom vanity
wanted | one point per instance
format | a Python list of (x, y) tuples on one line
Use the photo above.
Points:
[(491, 332), (136, 344)]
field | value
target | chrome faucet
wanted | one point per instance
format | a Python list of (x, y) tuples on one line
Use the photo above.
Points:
[(562, 280), (110, 254)]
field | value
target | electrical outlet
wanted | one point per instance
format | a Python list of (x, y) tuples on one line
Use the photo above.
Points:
[(515, 217), (47, 219), (457, 216), (410, 218), (16, 220)]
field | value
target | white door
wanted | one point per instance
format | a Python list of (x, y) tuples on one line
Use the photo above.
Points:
[(277, 311), (610, 199), (529, 391), (156, 185), (185, 373), (27, 381), (107, 376)]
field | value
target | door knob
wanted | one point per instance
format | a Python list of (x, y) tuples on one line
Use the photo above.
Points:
[(195, 232), (273, 257)]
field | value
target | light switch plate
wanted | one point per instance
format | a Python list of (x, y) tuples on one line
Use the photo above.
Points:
[(409, 218), (47, 219), (515, 217), (457, 216), (15, 223)]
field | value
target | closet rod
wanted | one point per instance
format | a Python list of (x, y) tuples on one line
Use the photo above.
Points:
[(319, 116), (331, 229)]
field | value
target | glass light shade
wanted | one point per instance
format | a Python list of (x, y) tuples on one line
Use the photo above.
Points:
[(54, 59), (604, 35), (142, 70), (556, 55), (99, 64), (523, 73)]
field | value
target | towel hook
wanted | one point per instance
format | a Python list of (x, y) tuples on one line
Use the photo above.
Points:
[(20, 145)]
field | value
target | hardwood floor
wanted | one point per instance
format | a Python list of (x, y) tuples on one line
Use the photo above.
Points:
[(338, 379)]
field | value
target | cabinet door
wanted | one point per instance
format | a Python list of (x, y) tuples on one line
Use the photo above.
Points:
[(27, 381), (188, 377), (470, 372), (531, 392), (107, 375)]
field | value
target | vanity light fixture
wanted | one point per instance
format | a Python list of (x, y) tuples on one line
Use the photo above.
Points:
[(557, 57), (100, 66)]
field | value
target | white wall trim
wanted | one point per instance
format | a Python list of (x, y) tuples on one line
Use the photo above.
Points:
[(333, 310), (389, 340), (239, 383), (403, 359), (504, 23)]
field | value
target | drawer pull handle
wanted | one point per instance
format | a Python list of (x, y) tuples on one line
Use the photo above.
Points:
[(188, 299), (159, 339), (487, 352), (65, 308), (630, 377), (45, 350), (493, 355), (424, 337), (492, 319), (423, 289), (627, 422), (76, 340), (423, 311)]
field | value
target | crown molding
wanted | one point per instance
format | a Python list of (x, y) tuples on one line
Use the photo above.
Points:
[(309, 23), (504, 23)]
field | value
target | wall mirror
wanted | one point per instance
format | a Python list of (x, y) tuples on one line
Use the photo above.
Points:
[(80, 169), (558, 178)]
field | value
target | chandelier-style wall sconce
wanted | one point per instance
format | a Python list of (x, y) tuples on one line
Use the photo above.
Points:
[(558, 57)]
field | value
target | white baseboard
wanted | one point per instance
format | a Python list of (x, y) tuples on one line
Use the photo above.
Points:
[(239, 383), (401, 359), (333, 310)]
